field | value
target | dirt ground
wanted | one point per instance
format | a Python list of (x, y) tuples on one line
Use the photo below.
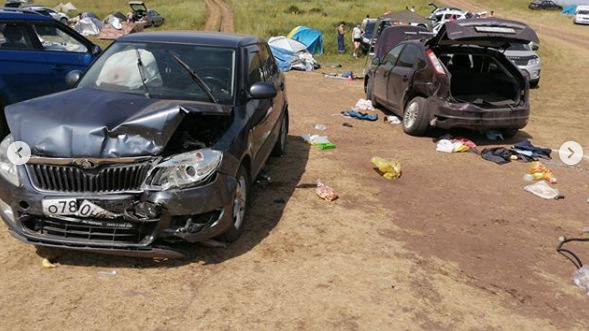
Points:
[(220, 16), (455, 243)]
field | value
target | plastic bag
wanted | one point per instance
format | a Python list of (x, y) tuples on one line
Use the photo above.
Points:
[(542, 189), (325, 192), (581, 278), (320, 142), (540, 172), (389, 168)]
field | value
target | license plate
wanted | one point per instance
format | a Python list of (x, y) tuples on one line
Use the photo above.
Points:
[(74, 207)]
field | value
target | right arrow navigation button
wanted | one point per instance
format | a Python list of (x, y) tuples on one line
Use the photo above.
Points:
[(570, 153)]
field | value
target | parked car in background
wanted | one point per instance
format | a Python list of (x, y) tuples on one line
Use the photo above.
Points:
[(63, 18), (527, 60), (142, 14), (582, 15), (157, 144), (458, 78), (36, 52), (544, 5), (367, 26)]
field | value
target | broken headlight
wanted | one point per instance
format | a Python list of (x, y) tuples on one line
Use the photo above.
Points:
[(8, 170), (182, 170)]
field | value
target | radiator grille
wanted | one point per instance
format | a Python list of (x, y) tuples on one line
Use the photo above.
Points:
[(61, 178)]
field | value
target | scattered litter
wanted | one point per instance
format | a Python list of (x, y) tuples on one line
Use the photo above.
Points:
[(540, 172), (320, 142), (320, 127), (336, 66), (345, 75), (107, 273), (449, 146), (530, 151), (392, 119), (528, 178), (346, 124), (325, 192), (363, 104), (360, 115), (543, 190), (581, 278), (160, 259), (498, 155), (390, 169), (263, 177), (279, 200), (47, 264), (493, 135)]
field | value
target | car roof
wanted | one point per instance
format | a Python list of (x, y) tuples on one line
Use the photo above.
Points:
[(22, 14), (191, 37)]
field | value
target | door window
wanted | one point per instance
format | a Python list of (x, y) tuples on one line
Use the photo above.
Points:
[(393, 55), (53, 38), (410, 57), (255, 71), (15, 36)]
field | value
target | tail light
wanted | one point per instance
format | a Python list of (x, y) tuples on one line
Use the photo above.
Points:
[(433, 59)]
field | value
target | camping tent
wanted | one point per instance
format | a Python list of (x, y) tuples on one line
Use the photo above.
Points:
[(89, 26), (313, 39), (569, 10), (291, 54)]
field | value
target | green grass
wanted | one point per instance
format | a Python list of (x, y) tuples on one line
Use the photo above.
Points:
[(274, 18)]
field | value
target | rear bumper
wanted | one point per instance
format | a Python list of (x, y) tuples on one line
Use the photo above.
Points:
[(448, 115)]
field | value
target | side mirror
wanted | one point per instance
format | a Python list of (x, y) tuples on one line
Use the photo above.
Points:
[(535, 47), (262, 90), (376, 61), (72, 77), (95, 50)]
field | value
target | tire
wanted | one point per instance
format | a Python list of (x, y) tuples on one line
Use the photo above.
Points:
[(534, 83), (509, 133), (239, 211), (64, 21), (370, 92), (415, 120), (280, 146)]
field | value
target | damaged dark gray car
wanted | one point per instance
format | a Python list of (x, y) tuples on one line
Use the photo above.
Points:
[(156, 145)]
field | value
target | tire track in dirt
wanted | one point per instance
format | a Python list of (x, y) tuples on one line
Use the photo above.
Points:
[(220, 16), (542, 29)]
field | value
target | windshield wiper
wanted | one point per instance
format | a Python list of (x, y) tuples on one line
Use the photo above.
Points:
[(141, 68), (196, 78)]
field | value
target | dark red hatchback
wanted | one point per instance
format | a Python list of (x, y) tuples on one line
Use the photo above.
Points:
[(458, 78)]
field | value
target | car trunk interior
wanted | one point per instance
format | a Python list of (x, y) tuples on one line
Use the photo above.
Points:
[(481, 79)]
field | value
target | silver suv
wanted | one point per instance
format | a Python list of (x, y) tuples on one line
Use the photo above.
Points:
[(525, 57)]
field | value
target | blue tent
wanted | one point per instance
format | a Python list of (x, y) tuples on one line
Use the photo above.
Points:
[(569, 10), (313, 39), (284, 57)]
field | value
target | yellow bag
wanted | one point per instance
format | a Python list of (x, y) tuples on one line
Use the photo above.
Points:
[(389, 168)]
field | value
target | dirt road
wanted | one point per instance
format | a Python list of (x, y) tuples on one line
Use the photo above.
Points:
[(220, 16), (455, 243)]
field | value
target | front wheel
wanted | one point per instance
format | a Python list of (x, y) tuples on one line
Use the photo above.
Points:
[(280, 147), (239, 210), (370, 92), (534, 83), (415, 117), (64, 21), (509, 133)]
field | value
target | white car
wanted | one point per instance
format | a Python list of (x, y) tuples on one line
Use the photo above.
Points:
[(582, 15), (447, 16), (63, 18)]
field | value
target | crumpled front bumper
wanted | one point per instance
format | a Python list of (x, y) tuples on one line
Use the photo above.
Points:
[(149, 223), (448, 115)]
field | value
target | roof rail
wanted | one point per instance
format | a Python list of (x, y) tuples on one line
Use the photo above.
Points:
[(18, 10)]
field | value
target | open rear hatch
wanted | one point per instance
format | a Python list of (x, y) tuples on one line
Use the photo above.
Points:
[(138, 7), (484, 32)]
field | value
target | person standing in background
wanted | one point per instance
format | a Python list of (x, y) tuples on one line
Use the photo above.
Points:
[(357, 39), (341, 31)]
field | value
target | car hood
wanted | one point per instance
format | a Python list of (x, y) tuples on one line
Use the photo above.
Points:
[(86, 122), (485, 32), (138, 6)]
